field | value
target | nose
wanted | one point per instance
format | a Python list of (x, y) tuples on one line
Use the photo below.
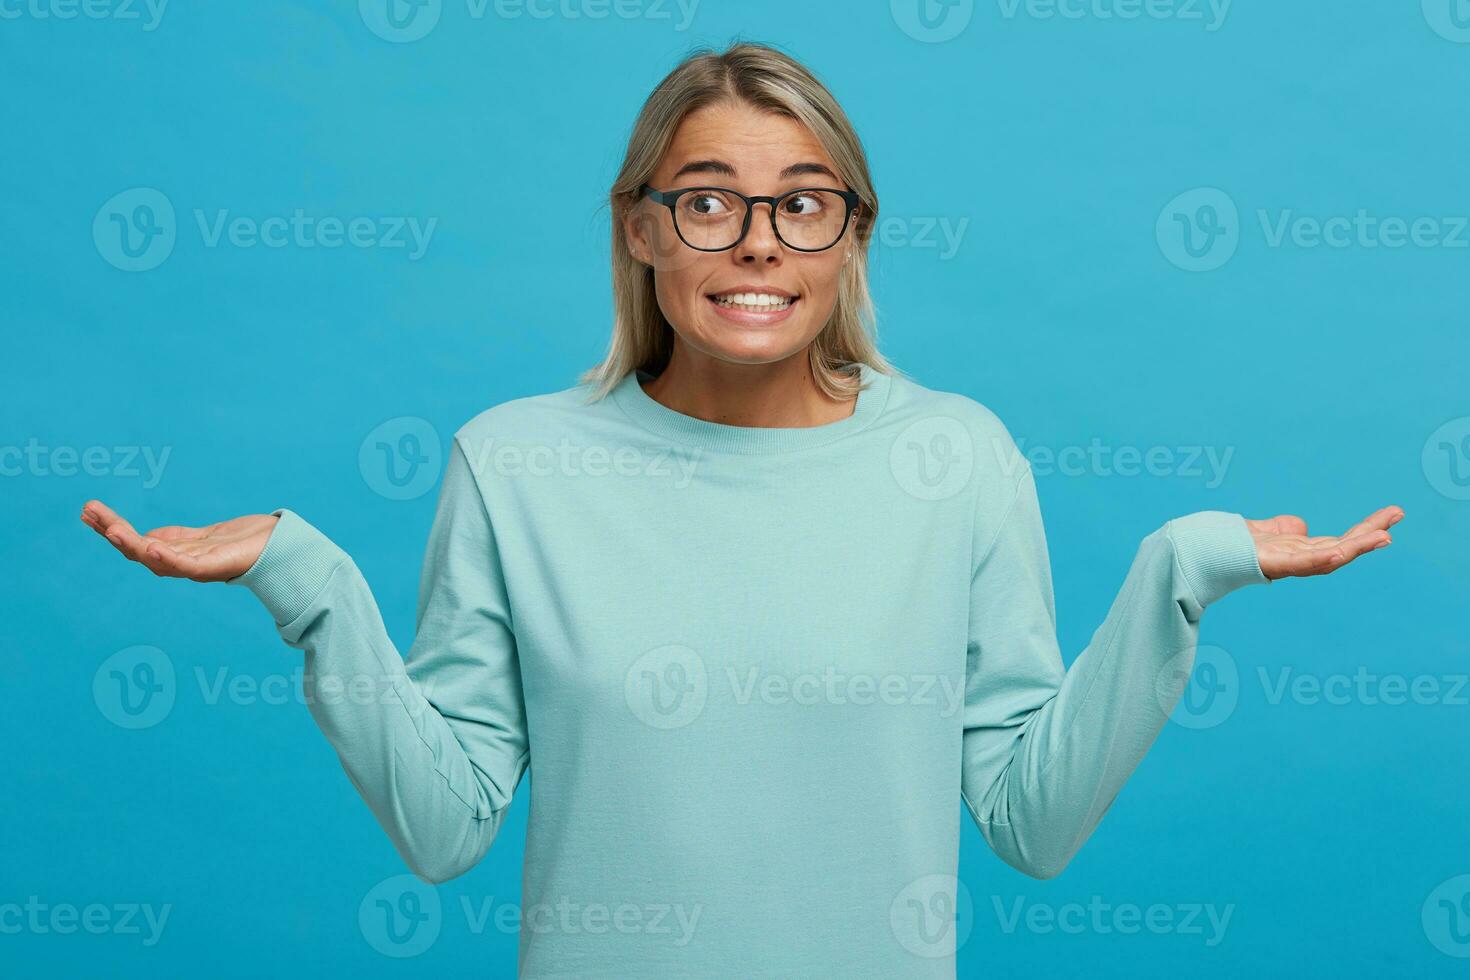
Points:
[(760, 245)]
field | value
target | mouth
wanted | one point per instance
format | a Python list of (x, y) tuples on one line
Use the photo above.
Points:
[(760, 307)]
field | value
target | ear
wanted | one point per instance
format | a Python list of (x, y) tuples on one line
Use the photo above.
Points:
[(637, 232)]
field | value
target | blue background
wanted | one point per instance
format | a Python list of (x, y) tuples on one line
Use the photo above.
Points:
[(1055, 142)]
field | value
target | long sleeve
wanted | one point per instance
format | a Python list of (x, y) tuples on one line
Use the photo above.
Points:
[(437, 745), (1046, 750)]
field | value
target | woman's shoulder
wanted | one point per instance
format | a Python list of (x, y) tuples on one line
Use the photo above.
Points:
[(551, 415), (961, 421)]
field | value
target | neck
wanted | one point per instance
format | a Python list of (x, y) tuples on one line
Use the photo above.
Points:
[(780, 394)]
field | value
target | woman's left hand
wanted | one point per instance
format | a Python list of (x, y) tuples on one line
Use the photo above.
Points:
[(1285, 550)]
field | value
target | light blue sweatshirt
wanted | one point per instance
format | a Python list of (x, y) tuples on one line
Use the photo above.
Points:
[(753, 671)]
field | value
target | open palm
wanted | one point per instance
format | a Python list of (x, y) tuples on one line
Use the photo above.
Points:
[(214, 553), (1285, 550)]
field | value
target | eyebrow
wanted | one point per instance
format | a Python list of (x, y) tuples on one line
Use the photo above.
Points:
[(725, 170)]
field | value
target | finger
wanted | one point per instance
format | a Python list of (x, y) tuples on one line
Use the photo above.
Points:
[(111, 525), (130, 543), (1380, 520), (99, 516), (1282, 524), (1332, 555), (174, 533), (167, 560)]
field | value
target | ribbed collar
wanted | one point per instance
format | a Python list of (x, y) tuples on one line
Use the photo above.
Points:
[(658, 418)]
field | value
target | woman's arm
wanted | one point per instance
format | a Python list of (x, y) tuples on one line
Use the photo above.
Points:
[(1046, 750), (435, 746)]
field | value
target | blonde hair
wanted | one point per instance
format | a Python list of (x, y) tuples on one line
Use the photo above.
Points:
[(774, 82)]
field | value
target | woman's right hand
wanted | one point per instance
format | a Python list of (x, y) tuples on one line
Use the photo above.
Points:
[(215, 553)]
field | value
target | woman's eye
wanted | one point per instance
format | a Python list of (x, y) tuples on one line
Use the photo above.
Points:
[(804, 204), (707, 204)]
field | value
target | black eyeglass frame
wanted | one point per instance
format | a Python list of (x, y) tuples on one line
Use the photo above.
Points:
[(670, 198)]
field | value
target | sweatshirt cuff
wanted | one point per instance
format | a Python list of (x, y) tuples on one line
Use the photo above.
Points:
[(1216, 553), (296, 564)]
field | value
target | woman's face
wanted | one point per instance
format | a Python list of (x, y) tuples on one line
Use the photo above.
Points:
[(757, 153)]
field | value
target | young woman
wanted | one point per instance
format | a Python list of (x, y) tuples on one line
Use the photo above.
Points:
[(757, 610)]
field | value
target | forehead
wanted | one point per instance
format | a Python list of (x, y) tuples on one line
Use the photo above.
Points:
[(751, 140)]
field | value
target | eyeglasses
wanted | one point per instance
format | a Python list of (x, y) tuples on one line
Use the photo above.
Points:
[(716, 219)]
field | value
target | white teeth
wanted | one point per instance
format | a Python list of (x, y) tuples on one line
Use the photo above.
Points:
[(762, 302)]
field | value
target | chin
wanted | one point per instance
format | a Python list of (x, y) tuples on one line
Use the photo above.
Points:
[(752, 345)]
